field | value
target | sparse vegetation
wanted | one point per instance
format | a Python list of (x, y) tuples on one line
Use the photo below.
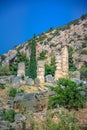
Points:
[(9, 115), (42, 55), (14, 91)]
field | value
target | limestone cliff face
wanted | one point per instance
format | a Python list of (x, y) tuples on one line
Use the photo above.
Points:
[(74, 34)]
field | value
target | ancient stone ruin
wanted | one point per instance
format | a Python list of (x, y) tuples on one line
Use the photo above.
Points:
[(21, 69), (62, 63), (40, 71), (61, 66)]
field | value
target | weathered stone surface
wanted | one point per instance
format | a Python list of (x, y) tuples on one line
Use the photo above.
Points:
[(76, 80), (4, 81), (64, 56), (15, 81), (40, 71), (37, 82), (21, 69), (49, 85), (58, 72), (19, 97), (76, 74), (49, 78), (19, 118), (4, 125), (30, 81), (29, 96)]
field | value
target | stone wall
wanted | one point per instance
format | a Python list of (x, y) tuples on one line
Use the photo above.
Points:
[(21, 69), (40, 71)]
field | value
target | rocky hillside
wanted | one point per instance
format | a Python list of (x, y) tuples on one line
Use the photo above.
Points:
[(49, 43)]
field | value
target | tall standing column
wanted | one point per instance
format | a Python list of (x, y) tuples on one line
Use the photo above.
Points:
[(40, 71), (58, 72), (64, 55), (21, 69)]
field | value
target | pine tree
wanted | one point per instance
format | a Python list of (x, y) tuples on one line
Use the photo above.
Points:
[(33, 62)]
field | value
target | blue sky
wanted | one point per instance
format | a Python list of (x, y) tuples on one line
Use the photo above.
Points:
[(20, 19)]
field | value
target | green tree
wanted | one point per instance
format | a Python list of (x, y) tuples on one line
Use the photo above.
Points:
[(67, 94), (33, 62), (50, 69)]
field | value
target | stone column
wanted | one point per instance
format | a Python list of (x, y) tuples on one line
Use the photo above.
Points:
[(40, 71), (64, 56), (58, 72), (21, 69)]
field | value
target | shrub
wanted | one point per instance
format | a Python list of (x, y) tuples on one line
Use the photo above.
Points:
[(50, 69), (67, 94), (12, 92), (9, 115), (42, 55)]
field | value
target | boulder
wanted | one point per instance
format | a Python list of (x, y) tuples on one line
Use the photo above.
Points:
[(30, 82), (49, 78), (15, 81)]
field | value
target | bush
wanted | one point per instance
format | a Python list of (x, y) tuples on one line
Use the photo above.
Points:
[(67, 94), (50, 69), (9, 115), (12, 92), (42, 55)]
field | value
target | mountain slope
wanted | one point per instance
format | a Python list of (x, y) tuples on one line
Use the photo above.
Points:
[(49, 43)]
